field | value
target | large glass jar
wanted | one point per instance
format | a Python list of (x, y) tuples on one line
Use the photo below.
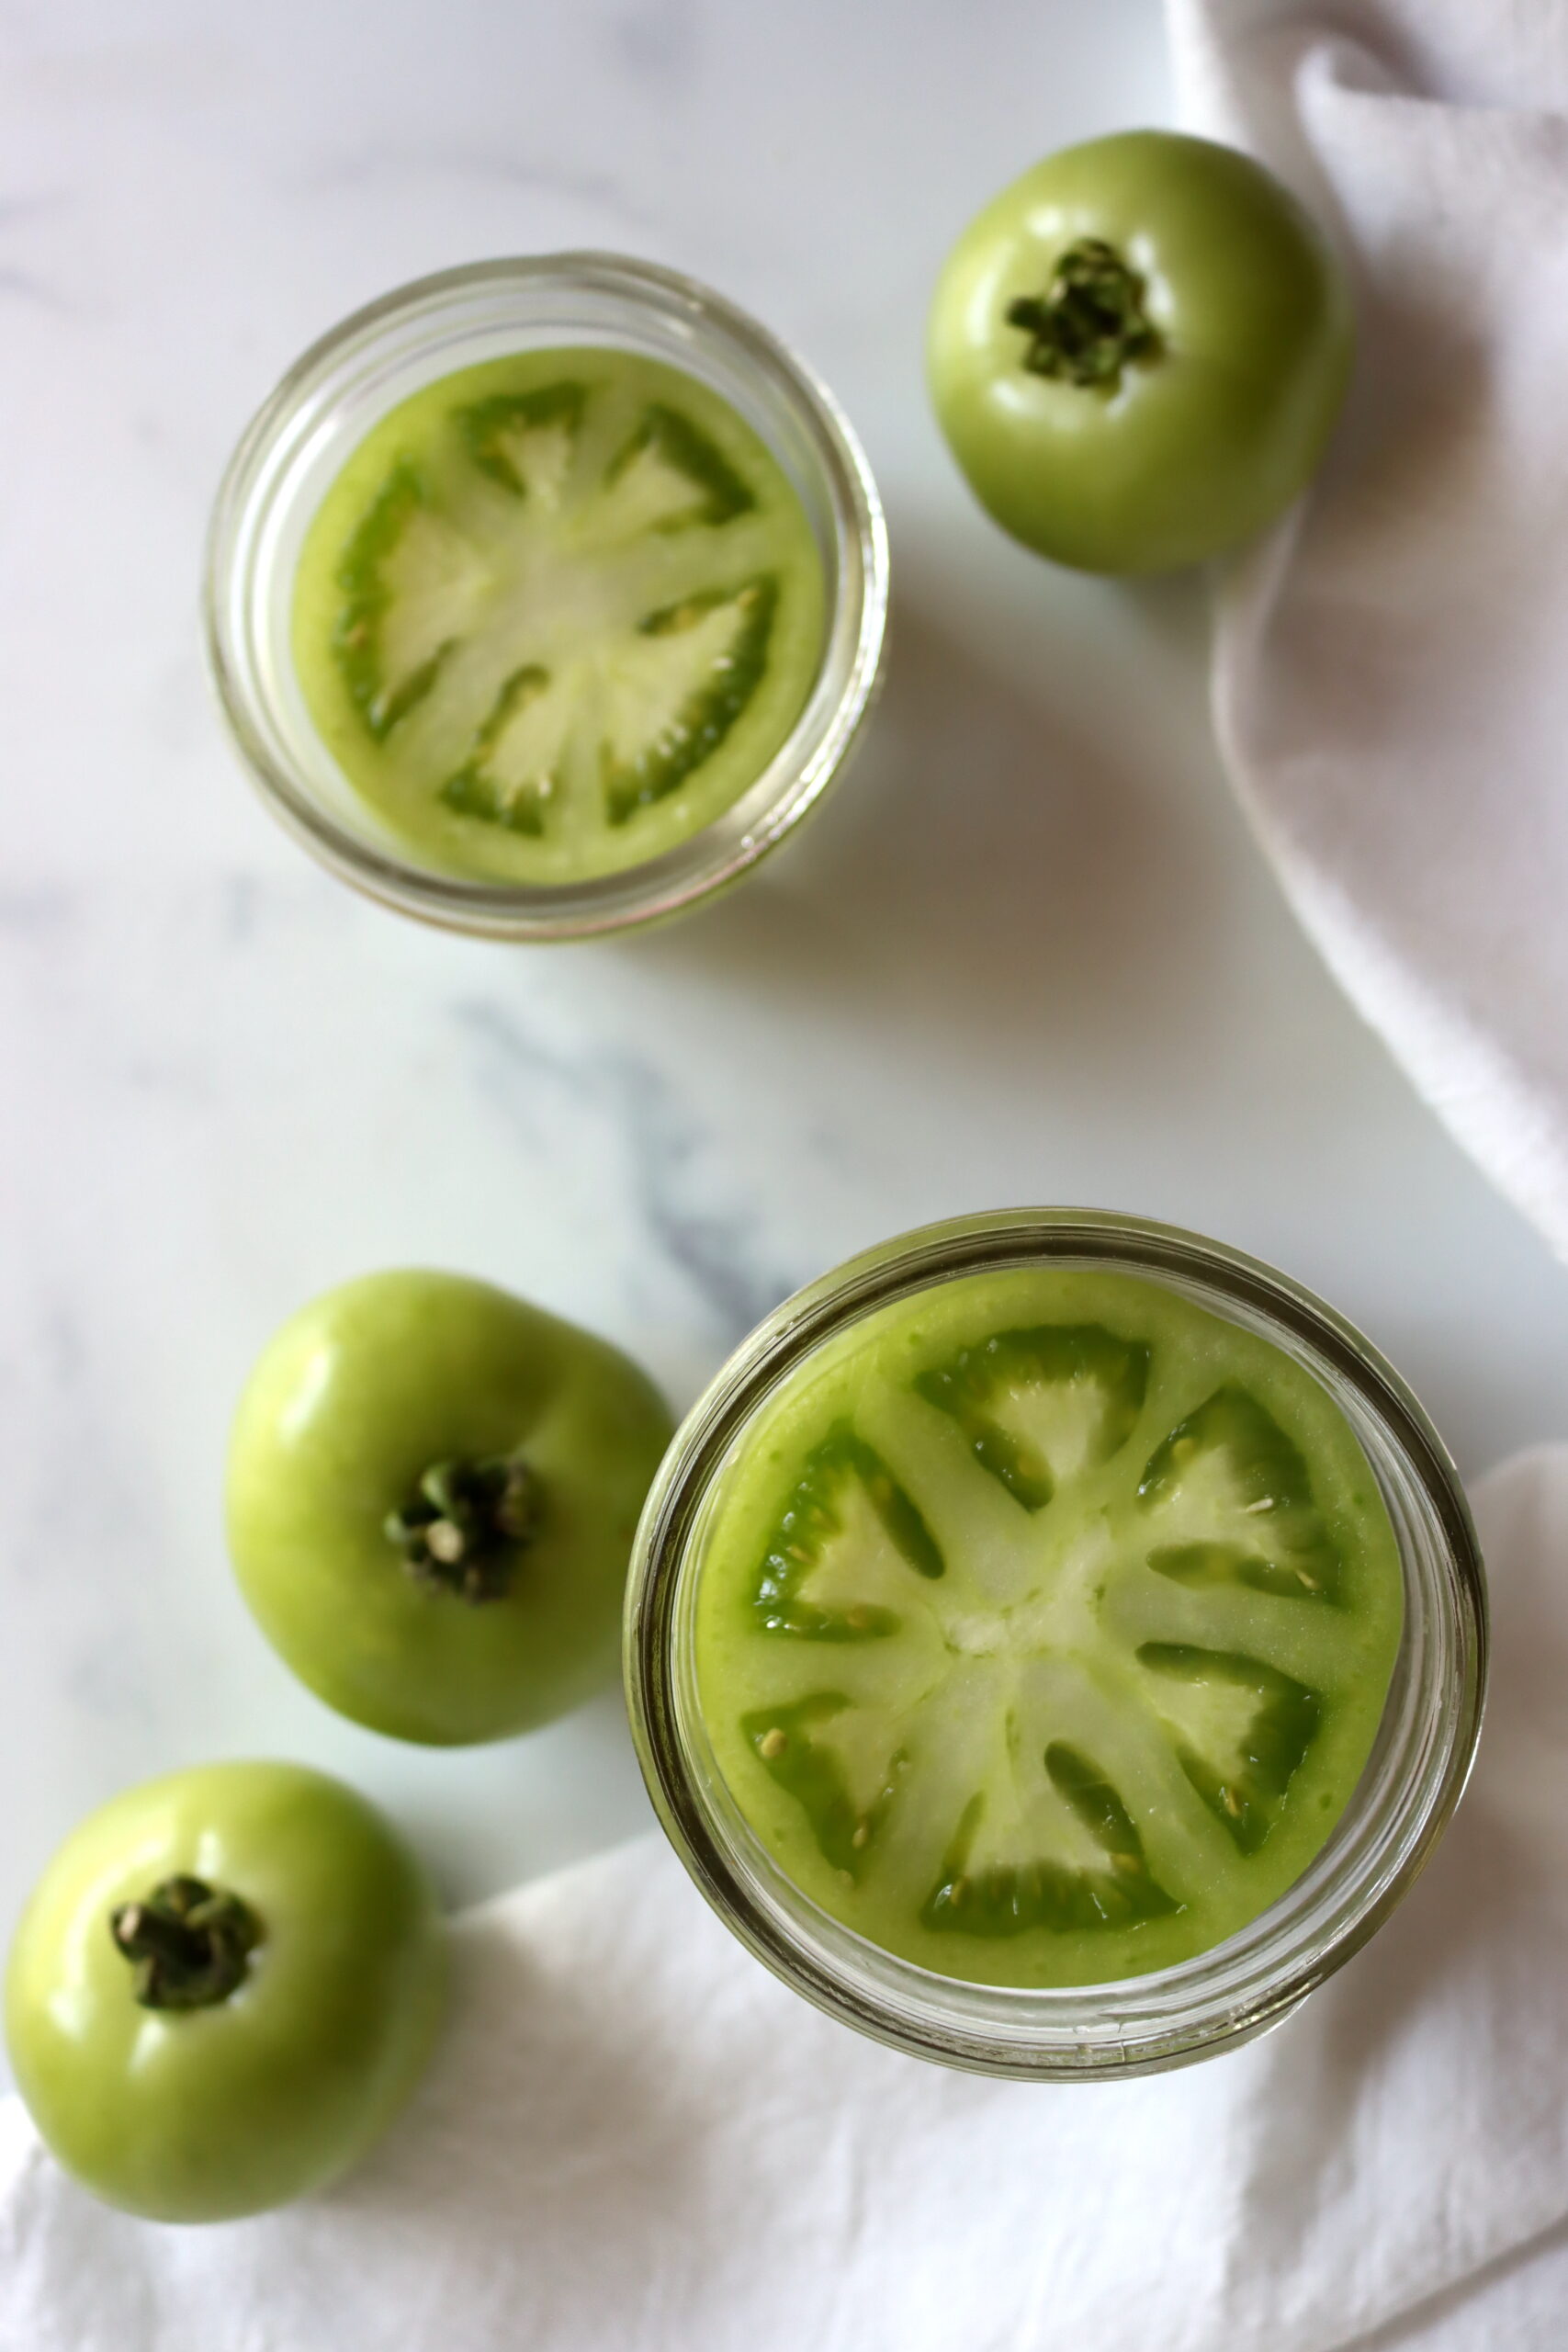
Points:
[(1253, 1978), (297, 445)]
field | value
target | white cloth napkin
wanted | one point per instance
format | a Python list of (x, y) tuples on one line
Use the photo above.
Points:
[(1389, 679), (635, 2141)]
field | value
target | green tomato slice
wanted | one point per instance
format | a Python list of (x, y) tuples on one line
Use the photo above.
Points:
[(1043, 1625), (557, 613)]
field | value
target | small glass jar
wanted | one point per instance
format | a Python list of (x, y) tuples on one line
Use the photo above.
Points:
[(1250, 1981), (293, 450)]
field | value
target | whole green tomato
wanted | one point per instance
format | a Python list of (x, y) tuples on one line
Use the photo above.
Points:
[(1137, 351), (224, 1987), (433, 1491)]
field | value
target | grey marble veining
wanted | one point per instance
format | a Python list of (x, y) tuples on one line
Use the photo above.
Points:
[(1028, 953), (672, 1161)]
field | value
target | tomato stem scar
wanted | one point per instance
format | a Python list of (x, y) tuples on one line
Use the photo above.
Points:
[(1090, 321), (462, 1528), (190, 1943)]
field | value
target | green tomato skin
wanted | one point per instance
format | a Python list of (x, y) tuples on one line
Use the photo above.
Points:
[(1211, 436), (205, 2115), (359, 1394)]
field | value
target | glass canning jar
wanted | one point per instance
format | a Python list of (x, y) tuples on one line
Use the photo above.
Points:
[(1253, 1978), (297, 444)]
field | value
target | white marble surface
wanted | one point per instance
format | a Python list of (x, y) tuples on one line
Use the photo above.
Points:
[(1028, 953)]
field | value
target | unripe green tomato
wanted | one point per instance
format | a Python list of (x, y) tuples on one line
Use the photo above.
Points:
[(433, 1491), (1138, 350), (195, 2072)]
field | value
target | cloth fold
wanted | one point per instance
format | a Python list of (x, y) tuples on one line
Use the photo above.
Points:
[(1389, 685), (633, 2140)]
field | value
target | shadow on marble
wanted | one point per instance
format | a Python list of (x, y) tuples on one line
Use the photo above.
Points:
[(989, 866)]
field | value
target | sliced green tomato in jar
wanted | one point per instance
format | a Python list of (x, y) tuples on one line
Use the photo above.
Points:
[(555, 614), (1043, 1625)]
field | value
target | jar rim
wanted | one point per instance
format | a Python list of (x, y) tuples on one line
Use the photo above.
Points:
[(626, 303), (1250, 1980)]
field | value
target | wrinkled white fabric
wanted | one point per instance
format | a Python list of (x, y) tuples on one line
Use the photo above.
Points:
[(633, 2140), (1389, 684)]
